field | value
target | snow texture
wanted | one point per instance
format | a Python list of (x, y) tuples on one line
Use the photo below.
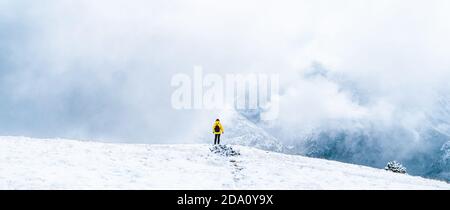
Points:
[(27, 163)]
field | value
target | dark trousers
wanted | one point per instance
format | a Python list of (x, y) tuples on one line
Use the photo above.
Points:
[(217, 139)]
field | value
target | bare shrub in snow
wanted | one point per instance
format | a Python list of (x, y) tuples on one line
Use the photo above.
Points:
[(396, 167)]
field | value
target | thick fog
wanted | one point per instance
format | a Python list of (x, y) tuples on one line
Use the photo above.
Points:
[(375, 71)]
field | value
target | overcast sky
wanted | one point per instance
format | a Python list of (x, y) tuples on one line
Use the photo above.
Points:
[(102, 69)]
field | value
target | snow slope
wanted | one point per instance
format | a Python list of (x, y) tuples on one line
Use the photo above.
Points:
[(27, 163)]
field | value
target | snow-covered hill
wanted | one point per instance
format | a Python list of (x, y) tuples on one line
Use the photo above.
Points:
[(27, 163)]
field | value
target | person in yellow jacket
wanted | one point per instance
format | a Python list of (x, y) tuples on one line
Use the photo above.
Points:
[(217, 130)]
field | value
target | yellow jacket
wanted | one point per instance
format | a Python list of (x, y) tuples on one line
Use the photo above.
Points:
[(220, 126)]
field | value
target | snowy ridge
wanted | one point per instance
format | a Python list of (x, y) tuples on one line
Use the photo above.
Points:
[(27, 163)]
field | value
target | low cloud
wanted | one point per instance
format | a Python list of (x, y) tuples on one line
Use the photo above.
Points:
[(102, 69)]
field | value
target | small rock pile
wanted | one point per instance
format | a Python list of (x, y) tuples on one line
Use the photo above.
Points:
[(224, 150)]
